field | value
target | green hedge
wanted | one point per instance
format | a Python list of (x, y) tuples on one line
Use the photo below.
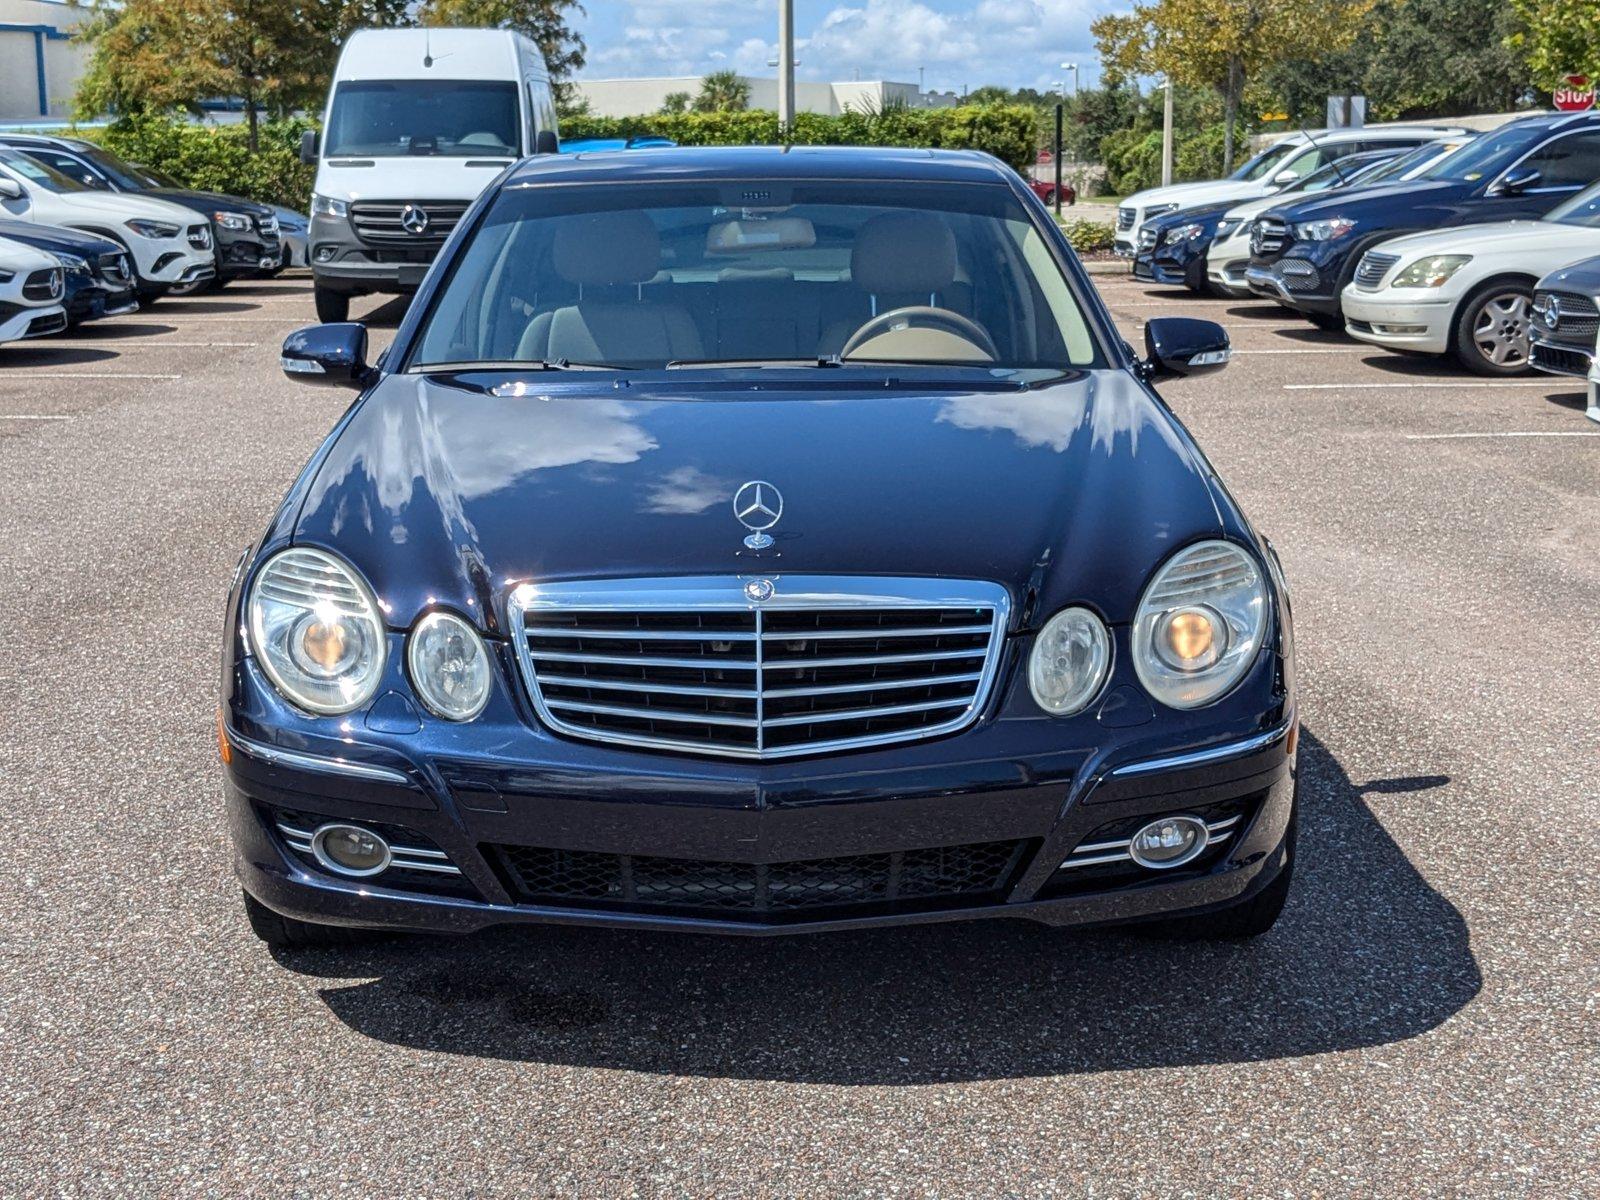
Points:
[(1007, 131), (1086, 236), (217, 158)]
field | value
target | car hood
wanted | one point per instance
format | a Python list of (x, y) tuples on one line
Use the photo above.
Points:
[(1187, 195), (410, 177), (1581, 276), (207, 201), (57, 237), (442, 492), (15, 256), (1398, 197), (118, 207), (1501, 237)]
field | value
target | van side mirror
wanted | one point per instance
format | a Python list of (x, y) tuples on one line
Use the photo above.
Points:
[(10, 189), (546, 142), (1183, 346), (1516, 181), (333, 355), (308, 146)]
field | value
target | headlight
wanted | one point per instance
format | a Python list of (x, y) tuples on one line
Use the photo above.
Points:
[(327, 206), (1431, 272), (1186, 233), (233, 222), (317, 631), (449, 666), (154, 229), (1226, 227), (1199, 624), (1070, 660), (1324, 231)]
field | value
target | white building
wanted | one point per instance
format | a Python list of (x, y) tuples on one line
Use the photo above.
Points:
[(39, 63), (638, 97)]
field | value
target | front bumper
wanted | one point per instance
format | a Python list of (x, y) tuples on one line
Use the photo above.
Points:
[(340, 261), (19, 322), (247, 255), (1165, 267), (1423, 326)]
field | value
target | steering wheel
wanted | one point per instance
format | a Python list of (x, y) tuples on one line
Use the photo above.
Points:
[(922, 316)]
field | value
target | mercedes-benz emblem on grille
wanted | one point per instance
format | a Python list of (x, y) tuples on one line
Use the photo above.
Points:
[(1255, 239), (1550, 312), (758, 505), (757, 591), (414, 219)]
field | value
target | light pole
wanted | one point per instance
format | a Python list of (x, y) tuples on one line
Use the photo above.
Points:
[(1166, 134), (785, 66)]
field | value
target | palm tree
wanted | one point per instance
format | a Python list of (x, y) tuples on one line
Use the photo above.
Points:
[(723, 91)]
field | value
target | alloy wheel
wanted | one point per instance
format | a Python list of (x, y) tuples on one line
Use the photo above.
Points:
[(1501, 331)]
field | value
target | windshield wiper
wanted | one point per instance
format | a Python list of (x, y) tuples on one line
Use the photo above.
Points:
[(735, 363), (515, 364)]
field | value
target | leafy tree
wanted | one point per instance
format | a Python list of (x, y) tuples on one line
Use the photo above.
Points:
[(1558, 39), (545, 21), (723, 91), (275, 55), (676, 102), (1222, 43)]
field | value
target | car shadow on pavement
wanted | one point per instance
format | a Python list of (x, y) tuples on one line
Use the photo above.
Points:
[(1366, 953), (116, 330), (43, 354)]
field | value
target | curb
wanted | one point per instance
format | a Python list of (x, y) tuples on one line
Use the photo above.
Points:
[(1119, 266)]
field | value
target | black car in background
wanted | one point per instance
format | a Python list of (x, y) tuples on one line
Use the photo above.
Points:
[(1304, 254), (245, 233), (1172, 248), (100, 277)]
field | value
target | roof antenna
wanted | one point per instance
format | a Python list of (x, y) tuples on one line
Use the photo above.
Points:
[(427, 47)]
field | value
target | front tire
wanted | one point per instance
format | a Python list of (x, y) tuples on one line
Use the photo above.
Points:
[(1491, 333), (286, 933), (331, 306), (1327, 322)]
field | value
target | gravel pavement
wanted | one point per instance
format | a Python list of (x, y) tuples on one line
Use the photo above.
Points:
[(1424, 1021)]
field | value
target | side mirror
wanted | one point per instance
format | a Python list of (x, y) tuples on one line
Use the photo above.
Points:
[(1285, 178), (308, 146), (10, 189), (1516, 181), (328, 355), (1183, 346), (546, 142)]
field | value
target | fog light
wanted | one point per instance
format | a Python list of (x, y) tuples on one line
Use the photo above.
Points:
[(350, 850), (1169, 842), (1401, 330), (325, 253)]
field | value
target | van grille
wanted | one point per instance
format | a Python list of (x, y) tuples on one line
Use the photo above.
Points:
[(696, 665), (384, 223)]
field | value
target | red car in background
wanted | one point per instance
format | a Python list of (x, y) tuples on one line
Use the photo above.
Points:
[(1045, 189)]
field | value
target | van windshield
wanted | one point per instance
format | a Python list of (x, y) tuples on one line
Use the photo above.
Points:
[(457, 118), (832, 273)]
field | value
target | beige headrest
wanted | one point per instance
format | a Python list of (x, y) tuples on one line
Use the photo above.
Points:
[(904, 252), (607, 248)]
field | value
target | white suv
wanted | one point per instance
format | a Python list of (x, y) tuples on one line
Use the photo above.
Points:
[(32, 286), (169, 245), (1279, 165)]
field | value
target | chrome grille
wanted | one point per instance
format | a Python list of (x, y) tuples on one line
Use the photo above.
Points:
[(199, 236), (1148, 238), (1125, 219), (1373, 267), (1268, 236), (114, 269), (1578, 321), (693, 664), (382, 223), (44, 285)]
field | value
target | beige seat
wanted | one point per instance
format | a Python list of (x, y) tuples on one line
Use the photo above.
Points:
[(608, 256), (899, 260)]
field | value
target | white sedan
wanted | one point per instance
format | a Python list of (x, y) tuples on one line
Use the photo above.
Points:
[(1466, 291), (32, 286)]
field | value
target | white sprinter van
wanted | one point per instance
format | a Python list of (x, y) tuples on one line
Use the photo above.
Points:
[(419, 121)]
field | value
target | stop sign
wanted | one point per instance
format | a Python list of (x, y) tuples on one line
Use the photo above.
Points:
[(1577, 96)]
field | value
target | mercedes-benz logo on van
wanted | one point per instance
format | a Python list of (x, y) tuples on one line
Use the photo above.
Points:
[(758, 505), (414, 219)]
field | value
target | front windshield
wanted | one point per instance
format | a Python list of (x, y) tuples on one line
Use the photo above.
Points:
[(759, 272), (1261, 165), (452, 118), (155, 178), (1582, 209), (1484, 157), (113, 168), (38, 174)]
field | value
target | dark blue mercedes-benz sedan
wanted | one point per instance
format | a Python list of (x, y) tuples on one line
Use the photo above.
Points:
[(758, 541)]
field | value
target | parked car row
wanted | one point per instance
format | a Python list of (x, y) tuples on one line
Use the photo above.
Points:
[(1483, 248), (85, 235)]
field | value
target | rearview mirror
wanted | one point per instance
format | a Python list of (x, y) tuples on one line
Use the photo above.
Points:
[(10, 189), (1183, 346), (328, 355), (546, 142), (1516, 181), (308, 146)]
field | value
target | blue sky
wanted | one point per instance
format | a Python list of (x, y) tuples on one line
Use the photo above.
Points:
[(961, 43)]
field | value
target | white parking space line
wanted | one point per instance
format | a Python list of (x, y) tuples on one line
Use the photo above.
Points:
[(1307, 350), (149, 343), (6, 375), (1450, 383), (1512, 432), (33, 417)]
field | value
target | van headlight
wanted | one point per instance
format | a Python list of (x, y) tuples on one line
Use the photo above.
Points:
[(1199, 624), (316, 630), (1070, 660), (449, 666), (327, 206)]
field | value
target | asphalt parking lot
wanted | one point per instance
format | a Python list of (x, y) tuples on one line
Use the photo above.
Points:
[(1424, 1021)]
